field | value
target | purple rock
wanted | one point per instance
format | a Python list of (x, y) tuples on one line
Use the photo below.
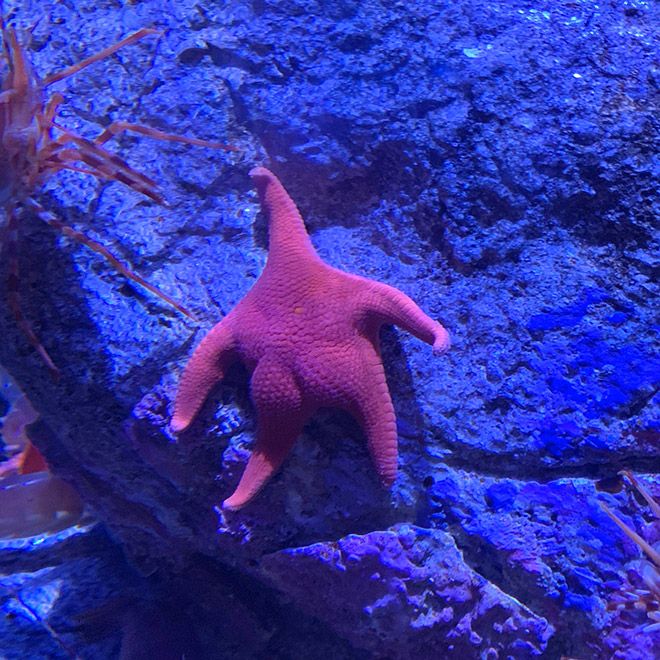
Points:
[(406, 593)]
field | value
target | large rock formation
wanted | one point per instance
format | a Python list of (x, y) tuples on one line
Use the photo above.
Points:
[(492, 160)]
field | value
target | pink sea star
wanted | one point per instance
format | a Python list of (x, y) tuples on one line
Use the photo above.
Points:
[(309, 334)]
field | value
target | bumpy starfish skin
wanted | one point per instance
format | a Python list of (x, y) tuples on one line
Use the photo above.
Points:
[(309, 335)]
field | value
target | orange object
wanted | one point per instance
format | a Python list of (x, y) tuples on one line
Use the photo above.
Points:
[(32, 461)]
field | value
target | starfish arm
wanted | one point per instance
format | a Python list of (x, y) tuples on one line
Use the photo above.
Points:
[(372, 407), (280, 419), (206, 367), (287, 236), (395, 307)]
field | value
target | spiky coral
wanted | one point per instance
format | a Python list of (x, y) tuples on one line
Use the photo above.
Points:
[(642, 591)]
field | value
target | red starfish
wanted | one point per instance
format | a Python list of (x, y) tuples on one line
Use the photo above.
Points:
[(309, 335)]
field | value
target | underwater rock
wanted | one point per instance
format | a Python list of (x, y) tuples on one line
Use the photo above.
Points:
[(72, 594), (407, 590), (550, 543), (45, 581), (492, 160)]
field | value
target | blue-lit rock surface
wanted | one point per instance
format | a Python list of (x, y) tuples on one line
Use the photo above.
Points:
[(73, 595), (47, 581), (493, 160), (408, 590)]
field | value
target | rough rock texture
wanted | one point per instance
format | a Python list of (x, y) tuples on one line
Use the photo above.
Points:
[(493, 160), (73, 595), (407, 590), (52, 581)]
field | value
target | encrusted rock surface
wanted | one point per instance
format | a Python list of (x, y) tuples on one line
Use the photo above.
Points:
[(407, 590), (494, 161)]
